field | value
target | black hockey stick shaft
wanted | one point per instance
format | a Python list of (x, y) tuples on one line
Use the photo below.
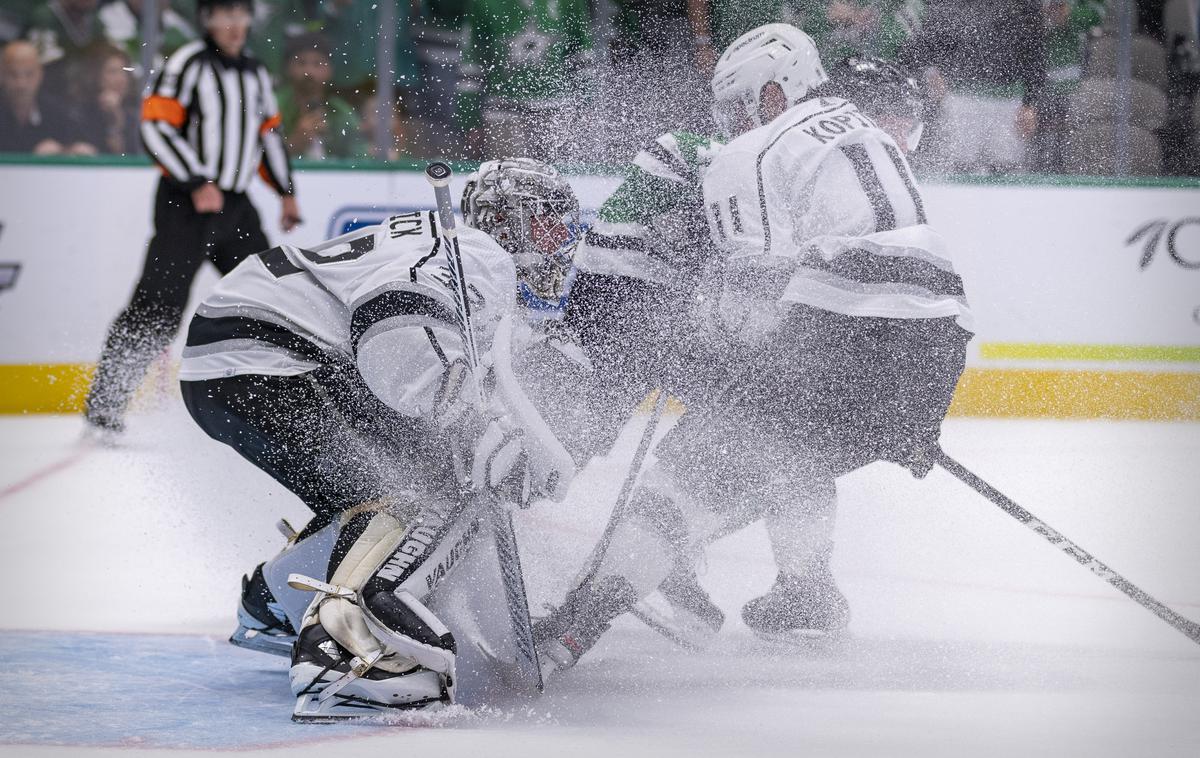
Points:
[(639, 457), (1056, 538)]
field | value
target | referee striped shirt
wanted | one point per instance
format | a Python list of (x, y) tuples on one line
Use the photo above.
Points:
[(214, 118)]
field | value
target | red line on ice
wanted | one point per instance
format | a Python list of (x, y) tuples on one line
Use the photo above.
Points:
[(44, 473)]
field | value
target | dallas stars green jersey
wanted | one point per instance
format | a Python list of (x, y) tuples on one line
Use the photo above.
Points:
[(653, 226), (896, 22), (519, 52)]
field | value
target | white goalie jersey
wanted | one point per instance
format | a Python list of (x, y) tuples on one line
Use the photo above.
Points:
[(381, 298), (824, 201)]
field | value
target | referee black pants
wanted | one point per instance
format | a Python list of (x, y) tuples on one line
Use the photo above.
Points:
[(183, 240)]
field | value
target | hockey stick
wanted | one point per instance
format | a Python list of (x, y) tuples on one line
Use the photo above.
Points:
[(507, 550), (662, 398), (1054, 537), (635, 468)]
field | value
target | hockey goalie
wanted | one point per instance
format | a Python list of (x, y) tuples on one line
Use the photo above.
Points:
[(372, 376)]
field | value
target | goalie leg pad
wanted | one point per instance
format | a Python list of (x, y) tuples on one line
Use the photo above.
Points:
[(385, 649), (408, 628)]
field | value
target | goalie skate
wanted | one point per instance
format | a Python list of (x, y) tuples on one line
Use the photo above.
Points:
[(331, 685), (262, 625)]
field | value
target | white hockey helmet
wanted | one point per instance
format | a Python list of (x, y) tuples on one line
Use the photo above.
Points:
[(778, 53), (531, 210)]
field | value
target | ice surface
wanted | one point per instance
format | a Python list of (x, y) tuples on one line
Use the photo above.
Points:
[(970, 635)]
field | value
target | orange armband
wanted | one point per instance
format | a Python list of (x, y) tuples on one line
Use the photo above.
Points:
[(159, 108)]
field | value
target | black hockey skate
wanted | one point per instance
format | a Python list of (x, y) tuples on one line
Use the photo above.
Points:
[(262, 624), (799, 607), (681, 611), (576, 626), (330, 684)]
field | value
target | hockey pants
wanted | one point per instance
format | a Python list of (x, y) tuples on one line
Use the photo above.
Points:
[(320, 434)]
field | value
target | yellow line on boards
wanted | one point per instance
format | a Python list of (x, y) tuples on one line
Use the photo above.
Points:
[(1036, 351), (1030, 393), (44, 387), (991, 393)]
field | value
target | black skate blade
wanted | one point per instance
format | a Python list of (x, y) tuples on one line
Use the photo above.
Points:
[(261, 642)]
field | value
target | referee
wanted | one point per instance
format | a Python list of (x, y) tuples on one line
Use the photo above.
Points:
[(210, 123)]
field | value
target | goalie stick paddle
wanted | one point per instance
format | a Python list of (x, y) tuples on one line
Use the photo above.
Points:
[(511, 575), (1056, 538)]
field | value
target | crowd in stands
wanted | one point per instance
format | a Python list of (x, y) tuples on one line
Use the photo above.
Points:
[(1010, 86)]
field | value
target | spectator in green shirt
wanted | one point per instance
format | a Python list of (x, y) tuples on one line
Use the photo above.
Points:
[(526, 69), (838, 27), (63, 27), (1067, 25), (317, 123), (277, 20)]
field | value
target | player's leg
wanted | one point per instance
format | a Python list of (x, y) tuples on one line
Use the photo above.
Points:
[(152, 317), (287, 427), (805, 600), (790, 405), (893, 382)]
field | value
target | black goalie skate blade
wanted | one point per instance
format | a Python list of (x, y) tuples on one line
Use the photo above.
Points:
[(261, 642)]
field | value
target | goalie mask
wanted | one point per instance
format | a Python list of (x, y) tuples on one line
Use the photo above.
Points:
[(778, 53), (527, 207)]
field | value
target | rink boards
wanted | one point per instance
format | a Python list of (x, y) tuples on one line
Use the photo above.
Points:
[(1086, 296)]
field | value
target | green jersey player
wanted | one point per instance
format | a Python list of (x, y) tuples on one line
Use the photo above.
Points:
[(638, 268)]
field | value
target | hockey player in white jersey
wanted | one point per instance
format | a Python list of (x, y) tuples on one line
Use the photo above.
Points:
[(638, 273), (832, 267), (343, 372), (846, 324)]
